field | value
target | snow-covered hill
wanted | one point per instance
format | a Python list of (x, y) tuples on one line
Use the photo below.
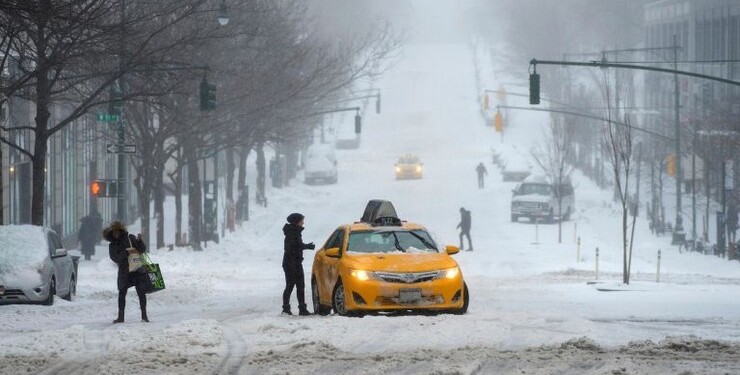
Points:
[(533, 308)]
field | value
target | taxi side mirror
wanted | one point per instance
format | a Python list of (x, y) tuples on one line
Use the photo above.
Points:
[(451, 249), (332, 252)]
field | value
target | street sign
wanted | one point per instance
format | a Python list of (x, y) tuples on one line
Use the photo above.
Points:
[(120, 149), (104, 117)]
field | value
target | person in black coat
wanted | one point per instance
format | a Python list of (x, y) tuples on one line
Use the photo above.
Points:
[(120, 240), (465, 228), (482, 172), (89, 233), (293, 263)]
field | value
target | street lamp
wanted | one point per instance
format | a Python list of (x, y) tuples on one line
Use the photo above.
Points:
[(223, 14)]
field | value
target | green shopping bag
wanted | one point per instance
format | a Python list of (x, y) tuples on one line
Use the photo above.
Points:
[(152, 280)]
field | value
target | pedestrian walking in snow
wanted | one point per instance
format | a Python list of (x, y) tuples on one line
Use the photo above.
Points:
[(465, 228), (121, 245), (89, 234), (293, 263), (732, 221), (482, 172)]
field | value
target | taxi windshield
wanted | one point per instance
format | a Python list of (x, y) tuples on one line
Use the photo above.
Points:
[(390, 241)]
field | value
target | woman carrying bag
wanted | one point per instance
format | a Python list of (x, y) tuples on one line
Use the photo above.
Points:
[(125, 249)]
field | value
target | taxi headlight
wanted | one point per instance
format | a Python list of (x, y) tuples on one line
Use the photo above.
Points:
[(449, 273), (398, 169), (418, 168), (361, 275)]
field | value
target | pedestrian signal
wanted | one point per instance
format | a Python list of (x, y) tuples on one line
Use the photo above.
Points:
[(104, 188), (96, 187)]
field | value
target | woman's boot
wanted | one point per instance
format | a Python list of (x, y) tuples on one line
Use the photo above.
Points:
[(120, 317), (302, 310), (286, 310)]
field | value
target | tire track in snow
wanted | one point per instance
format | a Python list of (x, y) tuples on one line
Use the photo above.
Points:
[(94, 341), (236, 349)]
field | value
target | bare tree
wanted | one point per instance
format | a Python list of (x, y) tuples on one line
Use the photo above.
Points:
[(618, 142), (553, 159), (69, 54)]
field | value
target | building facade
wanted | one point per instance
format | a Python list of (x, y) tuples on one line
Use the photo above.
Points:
[(76, 156), (704, 30)]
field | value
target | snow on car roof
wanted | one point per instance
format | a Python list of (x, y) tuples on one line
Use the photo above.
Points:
[(21, 246), (408, 158)]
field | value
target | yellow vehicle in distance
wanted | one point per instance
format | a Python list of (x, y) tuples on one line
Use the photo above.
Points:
[(383, 264), (409, 166)]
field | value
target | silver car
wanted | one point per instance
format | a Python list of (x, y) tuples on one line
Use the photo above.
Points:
[(34, 266)]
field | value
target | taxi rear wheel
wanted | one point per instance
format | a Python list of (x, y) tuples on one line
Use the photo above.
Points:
[(318, 308), (338, 299)]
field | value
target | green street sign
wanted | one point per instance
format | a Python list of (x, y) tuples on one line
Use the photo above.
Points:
[(104, 117)]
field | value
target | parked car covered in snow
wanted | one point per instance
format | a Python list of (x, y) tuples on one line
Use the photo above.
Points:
[(384, 264), (320, 164), (34, 266), (536, 198), (515, 170)]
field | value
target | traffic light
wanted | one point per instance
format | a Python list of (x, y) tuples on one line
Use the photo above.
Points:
[(207, 96), (534, 88), (485, 102), (358, 124), (498, 122), (104, 188), (671, 159), (377, 105)]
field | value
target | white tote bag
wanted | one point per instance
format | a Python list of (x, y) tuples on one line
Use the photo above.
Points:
[(134, 259)]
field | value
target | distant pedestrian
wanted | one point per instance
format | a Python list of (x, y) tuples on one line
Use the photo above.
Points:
[(465, 228), (732, 221), (89, 234), (293, 263), (121, 245), (482, 172)]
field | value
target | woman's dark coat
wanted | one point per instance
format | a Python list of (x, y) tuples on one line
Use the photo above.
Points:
[(117, 235), (293, 245)]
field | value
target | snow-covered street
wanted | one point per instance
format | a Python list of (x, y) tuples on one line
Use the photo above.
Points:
[(535, 308)]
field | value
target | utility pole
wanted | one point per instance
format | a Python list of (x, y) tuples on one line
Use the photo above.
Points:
[(121, 211), (678, 228), (693, 191)]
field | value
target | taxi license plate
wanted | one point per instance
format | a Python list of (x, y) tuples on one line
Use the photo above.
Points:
[(409, 295)]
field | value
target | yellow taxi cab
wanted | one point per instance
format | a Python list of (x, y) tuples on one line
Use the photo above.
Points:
[(409, 166), (383, 264)]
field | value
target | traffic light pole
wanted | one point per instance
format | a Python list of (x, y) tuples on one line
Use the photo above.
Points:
[(121, 188), (358, 119), (588, 115), (603, 63), (121, 211)]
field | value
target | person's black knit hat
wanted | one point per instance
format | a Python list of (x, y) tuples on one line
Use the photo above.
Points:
[(295, 218)]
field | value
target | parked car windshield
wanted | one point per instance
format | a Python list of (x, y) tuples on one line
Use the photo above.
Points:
[(390, 241), (538, 189), (22, 246)]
